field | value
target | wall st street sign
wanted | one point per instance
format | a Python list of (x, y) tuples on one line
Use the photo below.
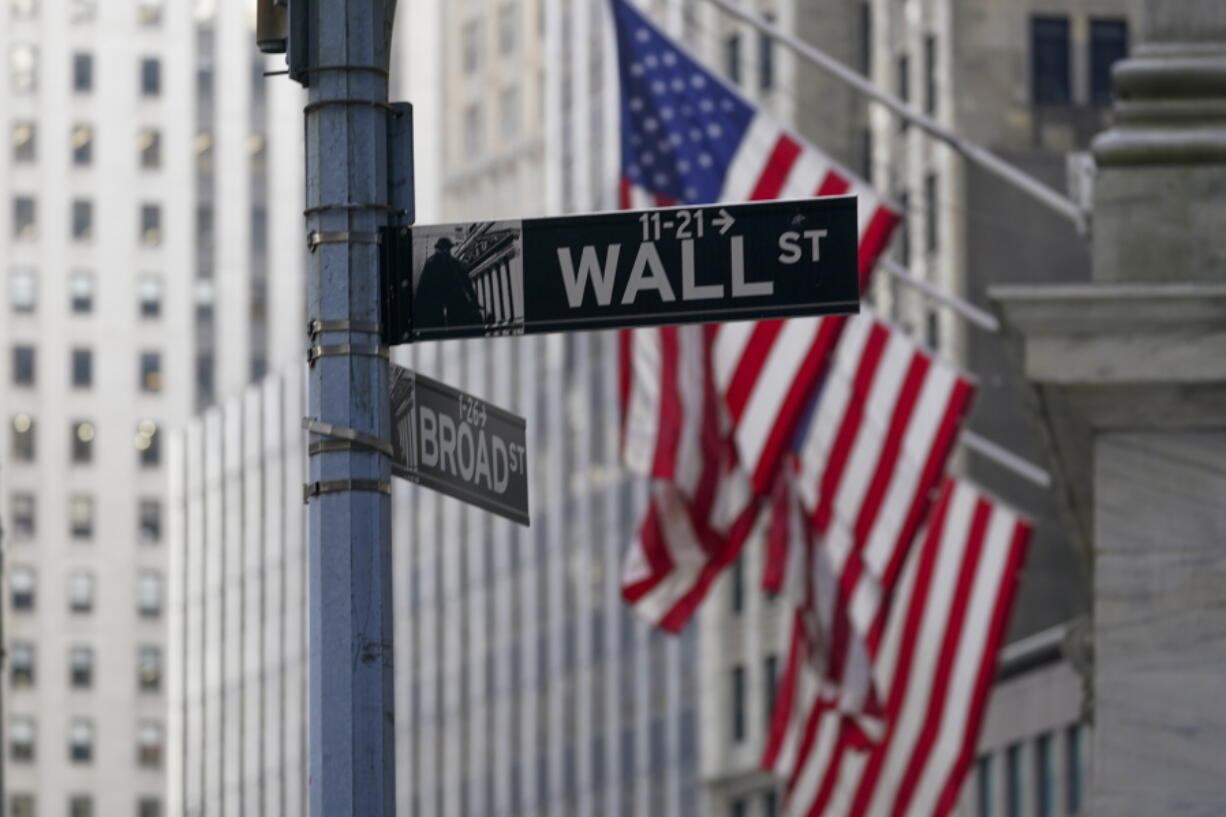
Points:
[(458, 444), (724, 262)]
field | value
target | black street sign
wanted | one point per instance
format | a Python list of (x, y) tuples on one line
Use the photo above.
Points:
[(722, 262), (458, 444)]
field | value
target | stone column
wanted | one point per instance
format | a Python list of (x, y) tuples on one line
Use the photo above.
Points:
[(1130, 374)]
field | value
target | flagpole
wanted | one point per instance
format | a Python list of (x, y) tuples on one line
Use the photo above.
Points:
[(980, 317), (972, 152)]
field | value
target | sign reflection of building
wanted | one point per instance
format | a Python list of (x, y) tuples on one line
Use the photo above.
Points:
[(403, 400), (489, 252)]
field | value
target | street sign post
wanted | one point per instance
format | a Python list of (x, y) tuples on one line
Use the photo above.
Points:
[(674, 265), (459, 444)]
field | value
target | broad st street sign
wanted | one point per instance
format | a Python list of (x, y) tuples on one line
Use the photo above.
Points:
[(458, 444), (724, 262)]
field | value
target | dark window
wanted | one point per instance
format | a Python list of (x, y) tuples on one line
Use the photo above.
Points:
[(81, 667), (149, 144), (147, 443), (1044, 802), (149, 669), (150, 224), (770, 804), (1049, 61), (1013, 781), (732, 57), (933, 212), (866, 38), (21, 664), (149, 520), (930, 74), (149, 807), (25, 146), (82, 368), (902, 71), (149, 296), (23, 438), (24, 371), (82, 145), (24, 515), (21, 739), (736, 585), (766, 59), (81, 292), (739, 808), (21, 584), (150, 372), (770, 668), (25, 219), (82, 441), (149, 744), (21, 805), (81, 805), (150, 77), (737, 694), (81, 516), (1073, 770), (904, 232), (983, 786), (82, 220), (1108, 45), (82, 73), (932, 330)]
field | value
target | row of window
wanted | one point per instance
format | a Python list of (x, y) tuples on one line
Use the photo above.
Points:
[(1055, 788), (81, 740), (81, 222), (733, 59), (81, 376), (82, 286), (81, 661), (79, 805), (474, 122), (82, 591), (82, 433), (23, 517), (473, 48), (148, 12), (81, 144)]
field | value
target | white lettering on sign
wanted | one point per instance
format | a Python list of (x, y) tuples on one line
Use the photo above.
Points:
[(467, 450), (648, 257), (789, 244), (689, 290), (740, 287), (589, 268)]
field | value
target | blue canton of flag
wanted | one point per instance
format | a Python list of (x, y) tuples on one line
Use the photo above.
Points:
[(681, 125)]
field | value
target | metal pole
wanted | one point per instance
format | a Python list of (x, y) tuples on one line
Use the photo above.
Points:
[(351, 734), (972, 152), (979, 317)]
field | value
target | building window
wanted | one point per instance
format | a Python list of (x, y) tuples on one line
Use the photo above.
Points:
[(150, 77), (510, 114), (82, 441), (23, 68), (82, 73), (80, 805), (508, 28), (472, 131), (25, 218), (149, 296), (82, 145), (23, 438), (866, 38), (149, 12), (930, 74), (932, 331), (23, 289), (738, 808), (150, 372), (81, 516), (81, 667), (21, 585), (1044, 800), (149, 669), (25, 146), (1074, 778), (149, 520), (24, 514), (149, 143), (149, 807), (737, 693), (21, 664), (149, 744), (732, 57), (736, 586), (770, 670), (933, 212), (24, 370), (150, 225), (82, 368), (766, 59), (81, 292), (1049, 61), (472, 46), (81, 11), (81, 742), (902, 71), (21, 739), (1013, 781), (149, 594), (983, 786), (82, 220), (1108, 45), (147, 443), (81, 591), (21, 805), (24, 9)]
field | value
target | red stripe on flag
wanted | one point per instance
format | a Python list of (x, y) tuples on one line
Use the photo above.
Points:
[(785, 695), (833, 185), (623, 194), (749, 367), (625, 374), (876, 235), (778, 166), (655, 553), (669, 430)]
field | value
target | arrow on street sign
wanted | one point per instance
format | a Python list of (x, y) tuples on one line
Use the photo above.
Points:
[(674, 265), (459, 444)]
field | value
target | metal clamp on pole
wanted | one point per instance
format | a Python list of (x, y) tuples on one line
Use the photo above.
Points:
[(317, 327), (315, 238), (337, 486), (352, 437), (363, 349)]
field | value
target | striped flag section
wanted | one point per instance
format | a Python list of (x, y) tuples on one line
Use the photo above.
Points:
[(934, 668), (870, 463)]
